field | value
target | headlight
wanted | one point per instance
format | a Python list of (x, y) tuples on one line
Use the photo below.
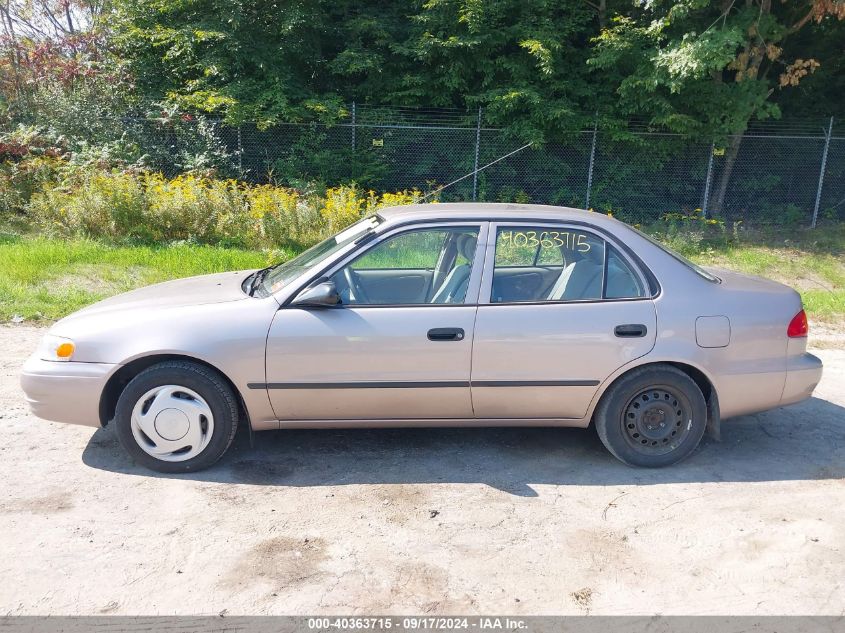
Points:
[(56, 348)]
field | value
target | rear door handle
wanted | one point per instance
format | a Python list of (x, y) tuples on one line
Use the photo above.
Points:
[(630, 330), (446, 334)]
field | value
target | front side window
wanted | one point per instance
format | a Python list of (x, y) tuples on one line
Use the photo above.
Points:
[(539, 264), (426, 266)]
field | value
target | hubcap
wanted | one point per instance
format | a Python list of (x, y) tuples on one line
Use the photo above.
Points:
[(172, 423), (656, 420)]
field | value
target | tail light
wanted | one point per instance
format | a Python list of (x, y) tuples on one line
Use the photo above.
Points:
[(798, 327)]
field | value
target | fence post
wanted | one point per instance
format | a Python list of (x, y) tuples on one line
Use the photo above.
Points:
[(240, 153), (708, 180), (821, 172), (353, 127), (592, 162), (477, 149)]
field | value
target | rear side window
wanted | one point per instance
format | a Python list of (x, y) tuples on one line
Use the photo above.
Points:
[(621, 282), (541, 264), (529, 247)]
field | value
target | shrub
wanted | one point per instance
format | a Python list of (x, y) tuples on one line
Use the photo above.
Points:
[(104, 206), (151, 208), (279, 215), (20, 180), (30, 160), (315, 155)]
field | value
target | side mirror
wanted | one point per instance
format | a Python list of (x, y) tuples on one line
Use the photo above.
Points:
[(323, 295)]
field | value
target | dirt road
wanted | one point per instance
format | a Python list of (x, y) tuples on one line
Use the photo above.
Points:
[(529, 521)]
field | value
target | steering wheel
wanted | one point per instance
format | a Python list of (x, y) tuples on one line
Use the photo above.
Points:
[(356, 295)]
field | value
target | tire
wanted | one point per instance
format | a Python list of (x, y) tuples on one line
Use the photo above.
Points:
[(176, 405), (652, 417)]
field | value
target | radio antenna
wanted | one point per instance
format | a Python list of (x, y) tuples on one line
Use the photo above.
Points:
[(475, 171)]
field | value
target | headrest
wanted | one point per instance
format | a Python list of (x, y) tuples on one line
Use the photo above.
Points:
[(596, 253), (466, 245)]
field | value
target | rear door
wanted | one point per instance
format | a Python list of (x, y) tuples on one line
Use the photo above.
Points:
[(542, 347)]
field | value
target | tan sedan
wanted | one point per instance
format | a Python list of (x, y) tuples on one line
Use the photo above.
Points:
[(434, 315)]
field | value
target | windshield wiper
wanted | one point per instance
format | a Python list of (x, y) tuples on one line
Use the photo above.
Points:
[(257, 278)]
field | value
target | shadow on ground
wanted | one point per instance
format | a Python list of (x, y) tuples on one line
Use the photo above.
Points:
[(801, 442)]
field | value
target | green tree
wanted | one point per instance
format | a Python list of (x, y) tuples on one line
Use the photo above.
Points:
[(524, 62), (270, 60), (707, 68), (259, 60)]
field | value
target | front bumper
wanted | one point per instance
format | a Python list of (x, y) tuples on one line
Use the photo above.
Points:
[(803, 373), (65, 392)]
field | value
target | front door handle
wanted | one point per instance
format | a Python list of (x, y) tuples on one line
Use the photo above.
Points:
[(630, 330), (446, 334)]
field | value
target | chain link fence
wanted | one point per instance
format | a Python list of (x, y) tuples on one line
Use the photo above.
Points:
[(778, 173), (785, 173)]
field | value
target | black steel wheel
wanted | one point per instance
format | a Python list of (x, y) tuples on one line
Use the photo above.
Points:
[(653, 416), (657, 420)]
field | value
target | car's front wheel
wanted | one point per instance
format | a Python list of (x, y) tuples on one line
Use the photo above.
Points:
[(176, 416), (653, 416)]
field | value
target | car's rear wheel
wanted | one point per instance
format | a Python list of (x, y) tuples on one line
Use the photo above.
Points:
[(652, 417), (176, 416)]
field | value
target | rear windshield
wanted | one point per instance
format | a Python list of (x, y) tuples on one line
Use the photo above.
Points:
[(694, 267)]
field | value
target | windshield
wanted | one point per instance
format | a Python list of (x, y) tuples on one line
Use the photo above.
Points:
[(282, 274), (694, 267)]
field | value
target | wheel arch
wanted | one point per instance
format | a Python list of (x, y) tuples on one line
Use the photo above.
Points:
[(697, 374), (119, 379)]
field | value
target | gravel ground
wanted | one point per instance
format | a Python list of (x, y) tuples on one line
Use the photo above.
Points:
[(519, 521)]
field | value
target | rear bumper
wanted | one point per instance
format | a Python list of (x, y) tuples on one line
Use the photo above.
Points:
[(803, 373), (65, 392)]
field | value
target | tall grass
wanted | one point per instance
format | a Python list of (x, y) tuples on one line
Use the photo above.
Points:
[(148, 208)]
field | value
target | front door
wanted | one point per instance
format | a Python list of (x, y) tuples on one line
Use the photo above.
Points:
[(561, 311), (399, 345)]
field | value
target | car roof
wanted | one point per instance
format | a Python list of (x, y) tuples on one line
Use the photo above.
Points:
[(490, 211)]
